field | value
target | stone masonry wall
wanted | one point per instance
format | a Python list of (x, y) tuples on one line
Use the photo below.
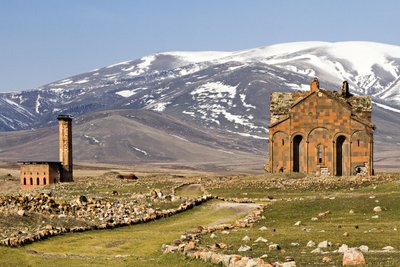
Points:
[(318, 119)]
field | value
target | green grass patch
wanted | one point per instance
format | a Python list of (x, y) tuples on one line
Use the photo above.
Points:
[(189, 190), (362, 229), (138, 245)]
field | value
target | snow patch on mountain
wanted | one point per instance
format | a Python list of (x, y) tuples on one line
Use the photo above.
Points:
[(82, 81), (146, 62), (141, 67), (178, 137), (251, 135), (64, 82), (37, 105), (364, 55), (191, 113), (182, 71), (197, 57), (243, 98), (126, 93), (129, 93), (118, 64), (91, 139), (236, 118), (236, 67), (307, 71), (301, 87), (7, 121), (139, 150), (18, 107), (57, 90), (215, 112), (160, 106), (386, 107), (214, 90)]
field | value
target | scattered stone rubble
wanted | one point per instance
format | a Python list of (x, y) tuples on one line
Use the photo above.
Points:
[(351, 255), (285, 181), (237, 200), (101, 213), (189, 246)]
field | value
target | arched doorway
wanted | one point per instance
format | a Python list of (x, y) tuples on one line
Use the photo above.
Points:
[(297, 141), (339, 155)]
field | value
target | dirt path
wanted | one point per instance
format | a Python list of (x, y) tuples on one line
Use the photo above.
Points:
[(237, 209), (137, 245)]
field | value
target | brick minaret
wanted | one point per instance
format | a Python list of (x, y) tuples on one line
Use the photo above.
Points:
[(65, 141)]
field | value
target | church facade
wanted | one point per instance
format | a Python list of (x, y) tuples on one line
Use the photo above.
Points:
[(321, 132)]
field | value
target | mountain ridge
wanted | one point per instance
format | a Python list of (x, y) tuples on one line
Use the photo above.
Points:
[(219, 91)]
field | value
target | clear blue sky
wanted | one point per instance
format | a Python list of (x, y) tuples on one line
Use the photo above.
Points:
[(45, 40)]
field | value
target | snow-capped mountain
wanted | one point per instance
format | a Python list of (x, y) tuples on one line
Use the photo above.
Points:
[(222, 90)]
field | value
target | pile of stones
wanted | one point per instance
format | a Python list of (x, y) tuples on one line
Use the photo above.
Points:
[(82, 207)]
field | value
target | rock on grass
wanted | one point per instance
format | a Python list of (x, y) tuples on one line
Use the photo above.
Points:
[(353, 257), (261, 239), (244, 248)]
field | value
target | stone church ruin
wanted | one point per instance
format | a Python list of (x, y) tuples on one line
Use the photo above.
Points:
[(36, 174), (321, 132)]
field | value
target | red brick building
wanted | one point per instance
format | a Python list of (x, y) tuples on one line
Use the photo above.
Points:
[(321, 132), (36, 174)]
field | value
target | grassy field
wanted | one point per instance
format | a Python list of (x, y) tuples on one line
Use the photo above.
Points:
[(138, 245), (359, 225), (290, 198), (189, 190)]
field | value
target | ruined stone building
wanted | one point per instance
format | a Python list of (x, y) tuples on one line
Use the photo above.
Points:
[(40, 173), (321, 132)]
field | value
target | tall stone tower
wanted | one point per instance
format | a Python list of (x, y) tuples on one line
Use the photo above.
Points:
[(65, 141)]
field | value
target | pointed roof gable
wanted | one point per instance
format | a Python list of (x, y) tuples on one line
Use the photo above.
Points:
[(282, 103)]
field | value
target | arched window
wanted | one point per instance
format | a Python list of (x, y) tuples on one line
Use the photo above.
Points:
[(44, 181), (283, 142), (24, 180), (320, 153), (358, 142), (37, 181), (31, 180)]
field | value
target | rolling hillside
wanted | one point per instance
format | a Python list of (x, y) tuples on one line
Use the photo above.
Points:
[(196, 105)]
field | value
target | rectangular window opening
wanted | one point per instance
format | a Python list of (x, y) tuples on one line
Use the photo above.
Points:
[(320, 153)]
